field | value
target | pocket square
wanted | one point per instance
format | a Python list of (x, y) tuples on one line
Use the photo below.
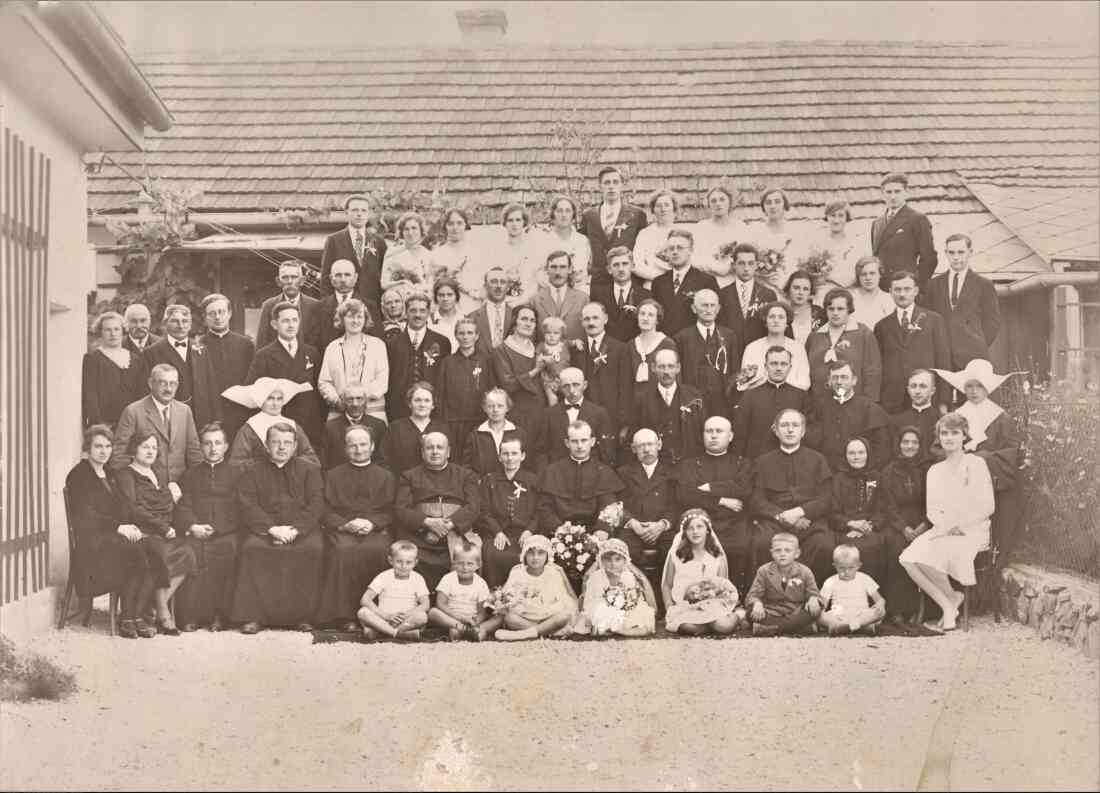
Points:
[(899, 231)]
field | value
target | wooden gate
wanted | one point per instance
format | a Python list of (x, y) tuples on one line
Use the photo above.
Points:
[(24, 233)]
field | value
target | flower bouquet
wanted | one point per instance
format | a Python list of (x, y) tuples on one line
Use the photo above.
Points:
[(575, 550), (818, 263), (612, 517), (725, 251), (504, 598), (716, 590), (609, 614), (769, 262), (746, 376)]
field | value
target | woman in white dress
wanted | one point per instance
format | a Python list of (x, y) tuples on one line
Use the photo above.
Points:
[(408, 264), (712, 233), (843, 247), (663, 206), (562, 236), (455, 259), (960, 506), (445, 297), (775, 234), (871, 303), (355, 358), (776, 319)]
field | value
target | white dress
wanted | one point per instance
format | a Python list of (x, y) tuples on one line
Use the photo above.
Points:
[(869, 310), (709, 237), (799, 376), (765, 239), (844, 255), (605, 617), (648, 244), (547, 594), (959, 494), (460, 263), (577, 246), (692, 572), (410, 267)]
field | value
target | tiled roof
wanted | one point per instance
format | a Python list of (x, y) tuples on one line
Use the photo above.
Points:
[(270, 130)]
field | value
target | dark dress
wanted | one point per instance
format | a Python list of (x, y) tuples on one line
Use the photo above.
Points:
[(903, 483), (512, 371), (508, 506), (481, 455), (105, 561), (636, 359), (402, 445), (353, 491), (463, 381), (858, 495), (150, 507), (107, 388)]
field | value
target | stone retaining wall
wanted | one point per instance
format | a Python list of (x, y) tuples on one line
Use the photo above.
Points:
[(1060, 606)]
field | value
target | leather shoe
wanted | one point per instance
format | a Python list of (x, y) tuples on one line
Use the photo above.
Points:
[(217, 625), (167, 628), (304, 627), (127, 629), (145, 630), (189, 627), (250, 628)]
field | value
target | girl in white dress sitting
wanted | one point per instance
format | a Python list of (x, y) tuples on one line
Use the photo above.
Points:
[(960, 505), (696, 565), (548, 606), (617, 597)]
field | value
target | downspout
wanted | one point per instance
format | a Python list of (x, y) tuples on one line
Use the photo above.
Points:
[(1047, 281)]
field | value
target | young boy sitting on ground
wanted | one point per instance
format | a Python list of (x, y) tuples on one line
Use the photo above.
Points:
[(460, 598), (402, 595), (783, 597), (852, 600)]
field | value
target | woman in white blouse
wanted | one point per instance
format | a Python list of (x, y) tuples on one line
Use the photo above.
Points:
[(408, 263), (651, 240), (563, 236), (445, 312), (455, 257), (777, 317), (714, 232), (843, 245), (357, 358), (775, 234), (871, 303)]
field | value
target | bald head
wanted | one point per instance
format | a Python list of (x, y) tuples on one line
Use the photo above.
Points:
[(572, 384), (705, 305), (717, 435), (435, 448)]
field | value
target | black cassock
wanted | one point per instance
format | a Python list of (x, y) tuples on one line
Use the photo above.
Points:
[(575, 492), (354, 491), (422, 492), (279, 584)]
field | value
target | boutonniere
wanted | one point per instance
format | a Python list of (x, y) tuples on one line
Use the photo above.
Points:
[(431, 354), (577, 344), (198, 347), (691, 406), (309, 362), (689, 296), (915, 323), (791, 582), (753, 308), (371, 249), (619, 228), (518, 490), (628, 308), (843, 344), (599, 360), (476, 372)]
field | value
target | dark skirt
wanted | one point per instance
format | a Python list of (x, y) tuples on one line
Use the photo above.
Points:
[(209, 592), (168, 558), (353, 562), (278, 584), (106, 563)]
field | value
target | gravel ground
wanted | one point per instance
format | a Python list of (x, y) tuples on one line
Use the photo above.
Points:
[(994, 709)]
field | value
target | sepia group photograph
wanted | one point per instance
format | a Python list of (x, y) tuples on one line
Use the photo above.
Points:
[(530, 395)]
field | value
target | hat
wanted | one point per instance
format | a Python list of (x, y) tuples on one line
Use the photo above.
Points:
[(614, 545), (538, 541), (978, 369), (253, 396)]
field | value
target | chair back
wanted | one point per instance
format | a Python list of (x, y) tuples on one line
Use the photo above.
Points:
[(69, 522)]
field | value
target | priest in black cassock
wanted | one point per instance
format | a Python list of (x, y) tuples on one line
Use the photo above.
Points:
[(354, 400), (230, 354), (577, 487), (508, 501), (359, 497), (674, 411), (921, 413), (755, 413), (208, 514), (792, 493), (845, 414), (720, 481), (282, 501), (437, 505)]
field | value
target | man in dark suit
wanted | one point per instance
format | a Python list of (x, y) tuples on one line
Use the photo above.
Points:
[(968, 302), (675, 412), (743, 301), (606, 365), (171, 421), (494, 318), (558, 299), (612, 224), (290, 277), (230, 355), (902, 237), (138, 320), (289, 358), (414, 355), (359, 245), (909, 338), (709, 355), (622, 295), (354, 400), (198, 388), (755, 413), (574, 406), (323, 330), (676, 289), (649, 501)]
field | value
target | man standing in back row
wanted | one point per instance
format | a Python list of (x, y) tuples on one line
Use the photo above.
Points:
[(611, 224), (361, 246), (902, 237), (968, 302)]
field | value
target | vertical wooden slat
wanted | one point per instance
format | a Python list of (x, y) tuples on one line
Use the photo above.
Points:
[(8, 369), (43, 400), (19, 470)]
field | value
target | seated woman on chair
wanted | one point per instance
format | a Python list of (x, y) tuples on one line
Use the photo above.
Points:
[(960, 505)]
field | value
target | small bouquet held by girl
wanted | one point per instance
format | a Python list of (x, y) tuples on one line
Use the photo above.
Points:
[(617, 597), (548, 606), (574, 549), (699, 597)]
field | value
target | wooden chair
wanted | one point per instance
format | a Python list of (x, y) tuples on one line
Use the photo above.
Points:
[(986, 575), (70, 586)]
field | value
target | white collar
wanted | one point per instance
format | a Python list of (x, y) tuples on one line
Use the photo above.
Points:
[(790, 451), (508, 427), (353, 231), (853, 324), (961, 273), (221, 335), (669, 392), (598, 339), (287, 347), (845, 400), (649, 468), (284, 299), (922, 408), (606, 208), (623, 288), (703, 328), (359, 465), (566, 405)]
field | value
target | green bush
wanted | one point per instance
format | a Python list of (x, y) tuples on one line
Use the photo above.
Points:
[(30, 676)]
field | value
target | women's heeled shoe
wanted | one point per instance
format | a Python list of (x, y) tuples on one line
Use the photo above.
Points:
[(127, 629), (144, 629), (167, 628)]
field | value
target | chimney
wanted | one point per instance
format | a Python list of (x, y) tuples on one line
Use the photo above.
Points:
[(482, 26)]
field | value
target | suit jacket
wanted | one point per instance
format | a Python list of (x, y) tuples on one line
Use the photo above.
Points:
[(679, 425), (608, 377), (265, 334), (340, 246), (652, 498), (555, 423), (484, 332), (569, 311), (407, 366), (622, 323), (924, 345), (677, 305), (198, 386), (750, 328), (150, 340), (230, 357), (905, 243), (973, 323), (178, 445), (697, 367), (306, 408), (322, 329), (631, 220)]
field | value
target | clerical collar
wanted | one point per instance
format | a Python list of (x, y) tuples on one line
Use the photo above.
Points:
[(715, 454), (789, 451), (219, 462), (356, 421), (221, 335), (840, 400), (279, 465), (780, 384), (922, 408), (442, 468), (580, 462), (360, 465)]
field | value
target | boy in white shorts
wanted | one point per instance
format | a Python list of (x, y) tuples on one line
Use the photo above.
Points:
[(852, 599)]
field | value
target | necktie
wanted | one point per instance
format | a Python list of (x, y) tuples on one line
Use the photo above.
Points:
[(165, 415), (593, 350), (954, 289), (905, 318), (608, 224), (359, 245), (744, 288), (677, 279), (498, 327), (622, 297)]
